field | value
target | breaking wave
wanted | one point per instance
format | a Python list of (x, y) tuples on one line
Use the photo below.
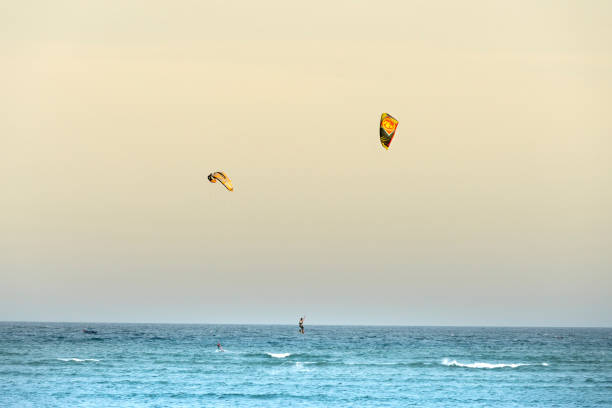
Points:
[(454, 363), (78, 360), (279, 355)]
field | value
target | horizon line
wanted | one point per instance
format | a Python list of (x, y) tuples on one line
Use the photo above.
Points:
[(312, 325)]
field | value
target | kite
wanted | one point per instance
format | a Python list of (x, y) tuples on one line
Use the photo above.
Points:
[(388, 126), (223, 179)]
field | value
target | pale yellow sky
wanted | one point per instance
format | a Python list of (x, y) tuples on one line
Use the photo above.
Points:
[(491, 207)]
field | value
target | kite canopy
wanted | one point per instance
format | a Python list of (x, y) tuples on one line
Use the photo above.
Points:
[(223, 179), (388, 125)]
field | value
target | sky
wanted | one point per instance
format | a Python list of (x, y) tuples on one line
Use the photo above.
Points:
[(492, 206)]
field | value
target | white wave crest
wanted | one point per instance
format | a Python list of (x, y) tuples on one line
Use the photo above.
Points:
[(455, 363), (279, 355), (78, 360)]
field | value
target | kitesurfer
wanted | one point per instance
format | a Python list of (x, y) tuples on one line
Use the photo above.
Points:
[(301, 325), (219, 348)]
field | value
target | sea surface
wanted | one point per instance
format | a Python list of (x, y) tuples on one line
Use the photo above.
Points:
[(157, 365)]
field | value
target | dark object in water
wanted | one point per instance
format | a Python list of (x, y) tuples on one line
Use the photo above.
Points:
[(90, 331)]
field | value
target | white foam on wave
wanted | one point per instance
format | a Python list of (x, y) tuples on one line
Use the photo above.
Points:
[(78, 360), (279, 355), (454, 363)]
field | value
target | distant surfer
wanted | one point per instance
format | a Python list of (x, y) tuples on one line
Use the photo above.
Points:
[(301, 325), (219, 348)]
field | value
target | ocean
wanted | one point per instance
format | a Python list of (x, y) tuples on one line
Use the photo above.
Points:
[(167, 365)]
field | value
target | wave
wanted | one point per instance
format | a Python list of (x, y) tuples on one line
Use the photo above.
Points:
[(78, 360), (454, 363), (279, 355)]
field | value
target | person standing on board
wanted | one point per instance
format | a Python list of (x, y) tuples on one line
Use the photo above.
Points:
[(301, 325)]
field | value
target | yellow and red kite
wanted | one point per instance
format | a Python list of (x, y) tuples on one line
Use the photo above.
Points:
[(388, 126)]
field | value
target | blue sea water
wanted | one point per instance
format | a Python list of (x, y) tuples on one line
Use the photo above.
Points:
[(155, 365)]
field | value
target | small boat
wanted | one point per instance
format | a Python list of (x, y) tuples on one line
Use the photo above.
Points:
[(90, 331)]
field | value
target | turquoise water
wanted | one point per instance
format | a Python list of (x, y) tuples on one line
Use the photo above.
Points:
[(148, 365)]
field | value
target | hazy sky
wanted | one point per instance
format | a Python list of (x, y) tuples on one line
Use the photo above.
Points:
[(493, 205)]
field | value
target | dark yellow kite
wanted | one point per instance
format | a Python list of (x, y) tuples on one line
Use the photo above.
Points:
[(223, 179), (388, 126)]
